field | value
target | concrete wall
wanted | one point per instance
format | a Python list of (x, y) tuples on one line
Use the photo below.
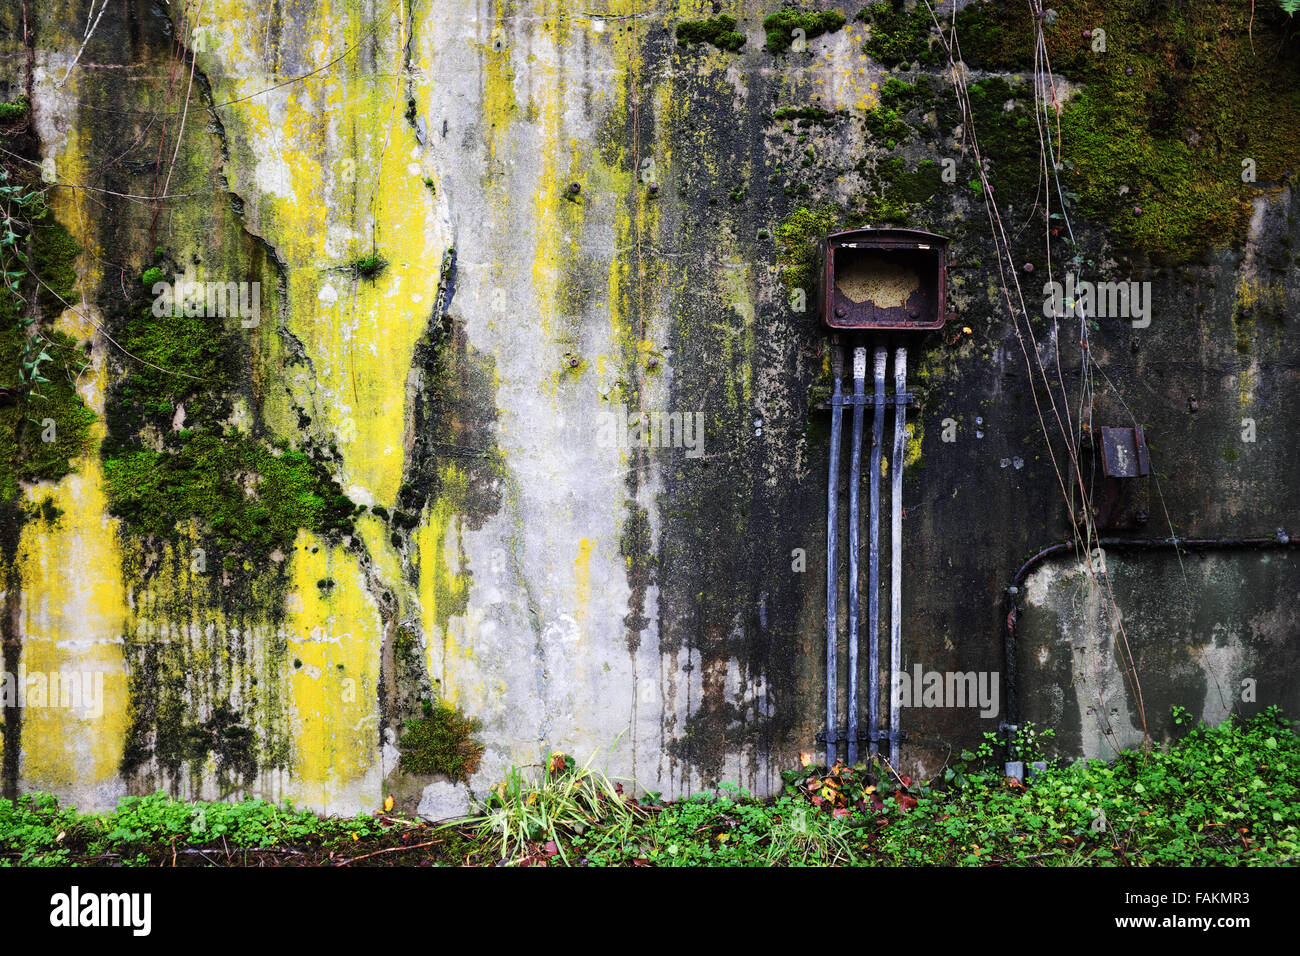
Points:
[(571, 592)]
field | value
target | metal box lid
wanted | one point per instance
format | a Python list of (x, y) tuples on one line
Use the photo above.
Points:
[(888, 279)]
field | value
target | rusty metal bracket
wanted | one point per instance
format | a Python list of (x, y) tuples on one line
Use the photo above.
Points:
[(907, 398), (841, 736), (1124, 453)]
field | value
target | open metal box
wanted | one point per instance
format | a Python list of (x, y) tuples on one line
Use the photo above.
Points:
[(885, 279)]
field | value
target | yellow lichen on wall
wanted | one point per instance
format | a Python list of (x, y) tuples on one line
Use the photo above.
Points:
[(582, 588), (73, 612), (333, 638), (337, 183), (73, 608), (736, 336), (443, 581)]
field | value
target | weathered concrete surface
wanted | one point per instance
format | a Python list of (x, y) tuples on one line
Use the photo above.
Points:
[(570, 593)]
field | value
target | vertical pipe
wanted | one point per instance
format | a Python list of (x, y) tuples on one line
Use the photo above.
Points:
[(832, 540), (855, 480), (896, 544), (873, 561)]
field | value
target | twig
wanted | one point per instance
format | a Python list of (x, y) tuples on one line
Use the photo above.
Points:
[(89, 33), (391, 849)]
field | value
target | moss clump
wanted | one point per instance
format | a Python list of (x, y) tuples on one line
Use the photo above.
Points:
[(796, 242), (151, 276), (48, 426), (781, 25), (245, 491), (14, 110), (720, 31), (901, 36), (46, 510), (442, 742), (887, 127), (886, 121), (809, 114), (368, 267), (225, 737)]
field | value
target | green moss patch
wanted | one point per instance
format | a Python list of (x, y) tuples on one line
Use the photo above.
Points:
[(898, 191), (720, 31), (809, 114), (245, 491), (442, 742), (781, 25), (369, 267), (899, 36), (44, 425), (886, 121), (14, 110), (796, 242)]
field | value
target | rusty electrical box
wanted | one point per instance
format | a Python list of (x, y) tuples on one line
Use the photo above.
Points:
[(884, 279)]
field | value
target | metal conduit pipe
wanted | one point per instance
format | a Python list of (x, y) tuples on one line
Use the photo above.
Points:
[(896, 546), (873, 560), (855, 524), (832, 559)]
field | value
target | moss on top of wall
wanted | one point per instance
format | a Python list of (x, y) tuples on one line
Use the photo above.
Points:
[(1180, 104)]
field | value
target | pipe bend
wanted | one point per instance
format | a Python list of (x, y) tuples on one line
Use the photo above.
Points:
[(1279, 540)]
